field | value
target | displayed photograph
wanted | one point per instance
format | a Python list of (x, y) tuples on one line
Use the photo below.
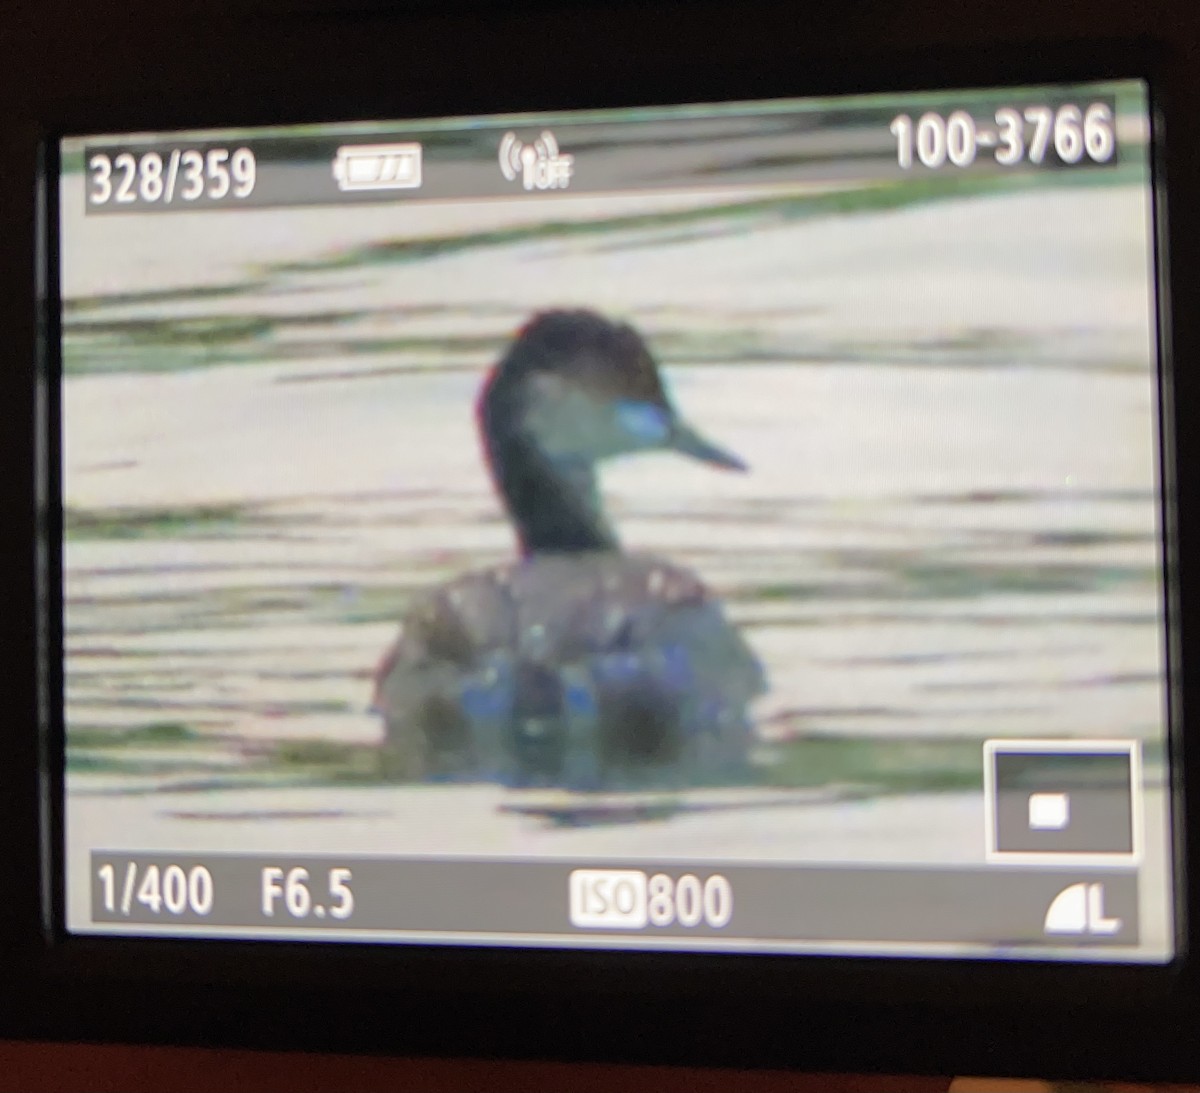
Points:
[(717, 518)]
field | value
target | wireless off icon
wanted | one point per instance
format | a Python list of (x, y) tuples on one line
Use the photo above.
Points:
[(539, 166)]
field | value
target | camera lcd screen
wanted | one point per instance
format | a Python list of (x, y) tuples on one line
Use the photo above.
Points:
[(727, 527)]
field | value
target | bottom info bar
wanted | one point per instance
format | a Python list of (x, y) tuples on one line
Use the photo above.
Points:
[(994, 905)]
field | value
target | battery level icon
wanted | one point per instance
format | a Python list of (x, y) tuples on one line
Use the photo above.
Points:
[(377, 167)]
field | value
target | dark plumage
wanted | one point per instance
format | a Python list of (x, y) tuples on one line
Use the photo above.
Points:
[(577, 665)]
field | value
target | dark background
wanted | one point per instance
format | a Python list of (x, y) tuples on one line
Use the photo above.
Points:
[(221, 62)]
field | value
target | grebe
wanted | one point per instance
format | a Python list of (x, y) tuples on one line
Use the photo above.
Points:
[(578, 665)]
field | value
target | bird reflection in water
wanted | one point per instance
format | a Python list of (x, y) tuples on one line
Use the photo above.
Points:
[(579, 665)]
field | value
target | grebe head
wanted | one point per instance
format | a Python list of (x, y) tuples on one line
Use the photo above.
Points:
[(580, 388), (574, 389)]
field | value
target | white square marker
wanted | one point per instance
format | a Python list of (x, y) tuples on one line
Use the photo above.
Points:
[(1049, 811)]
